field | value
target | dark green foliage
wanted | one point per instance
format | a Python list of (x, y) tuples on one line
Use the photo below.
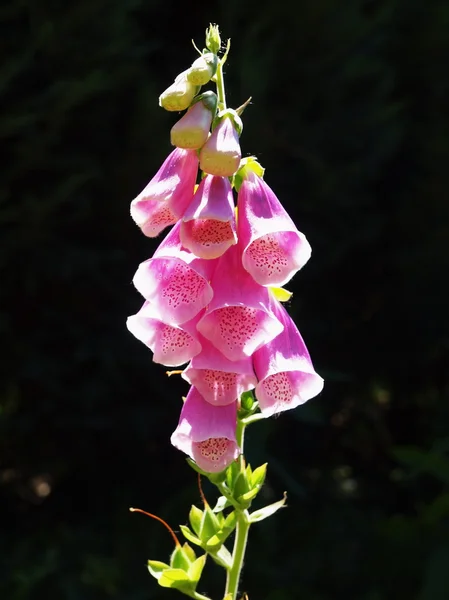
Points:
[(350, 118)]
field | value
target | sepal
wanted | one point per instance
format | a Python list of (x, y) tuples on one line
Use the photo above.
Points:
[(249, 164)]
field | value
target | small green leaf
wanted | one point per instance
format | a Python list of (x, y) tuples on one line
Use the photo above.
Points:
[(195, 517), (196, 568), (190, 536), (156, 568), (213, 544), (222, 557), (245, 499), (267, 511), (258, 476), (222, 503), (281, 294)]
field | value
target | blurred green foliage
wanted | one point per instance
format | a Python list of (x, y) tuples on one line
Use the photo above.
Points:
[(350, 119)]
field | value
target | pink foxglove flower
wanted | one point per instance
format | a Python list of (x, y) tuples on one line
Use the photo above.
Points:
[(208, 226), (172, 345), (192, 130), (175, 281), (273, 248), (165, 198), (238, 320), (206, 433), (219, 380), (284, 369), (221, 154)]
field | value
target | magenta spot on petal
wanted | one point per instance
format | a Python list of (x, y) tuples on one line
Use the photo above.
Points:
[(277, 388), (237, 325), (173, 339), (219, 382), (213, 449), (268, 256), (183, 286), (208, 232)]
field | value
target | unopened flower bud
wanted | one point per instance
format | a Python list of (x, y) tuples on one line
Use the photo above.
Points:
[(221, 154), (203, 69), (213, 40), (192, 130), (179, 95)]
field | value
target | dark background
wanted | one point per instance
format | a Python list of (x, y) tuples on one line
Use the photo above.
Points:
[(350, 119)]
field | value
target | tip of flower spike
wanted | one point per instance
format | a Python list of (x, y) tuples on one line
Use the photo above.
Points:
[(213, 39)]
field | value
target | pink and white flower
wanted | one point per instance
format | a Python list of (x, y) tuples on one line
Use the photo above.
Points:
[(273, 248), (206, 433), (284, 369), (165, 199)]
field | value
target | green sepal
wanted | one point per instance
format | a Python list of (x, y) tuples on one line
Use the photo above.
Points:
[(217, 477), (223, 557), (209, 100), (246, 499), (247, 164), (181, 557), (229, 113), (177, 579), (196, 468), (247, 401), (195, 517), (232, 473), (242, 483), (258, 476), (196, 568), (267, 511), (210, 524), (156, 568), (189, 535)]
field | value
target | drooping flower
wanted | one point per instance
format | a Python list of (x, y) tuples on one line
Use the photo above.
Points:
[(273, 248), (175, 281), (165, 198), (172, 345), (219, 380), (192, 129), (284, 369), (179, 95), (238, 320), (208, 226), (221, 154), (203, 69), (206, 433)]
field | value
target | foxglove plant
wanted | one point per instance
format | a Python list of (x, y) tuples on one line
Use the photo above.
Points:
[(212, 299)]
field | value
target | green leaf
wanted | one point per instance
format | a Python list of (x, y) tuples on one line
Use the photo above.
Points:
[(245, 499), (267, 511), (196, 568), (195, 517), (258, 476), (190, 536), (156, 568), (222, 557), (221, 504)]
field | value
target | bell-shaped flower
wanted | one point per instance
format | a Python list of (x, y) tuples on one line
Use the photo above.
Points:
[(179, 95), (172, 345), (208, 226), (273, 248), (238, 320), (221, 154), (165, 198), (192, 130), (206, 433), (219, 380), (203, 69), (284, 369), (175, 281)]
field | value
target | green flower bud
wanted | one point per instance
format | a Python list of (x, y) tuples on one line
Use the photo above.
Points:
[(203, 69), (179, 95), (213, 39)]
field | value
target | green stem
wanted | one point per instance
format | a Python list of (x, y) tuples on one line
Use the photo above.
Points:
[(220, 86), (238, 554), (241, 531)]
